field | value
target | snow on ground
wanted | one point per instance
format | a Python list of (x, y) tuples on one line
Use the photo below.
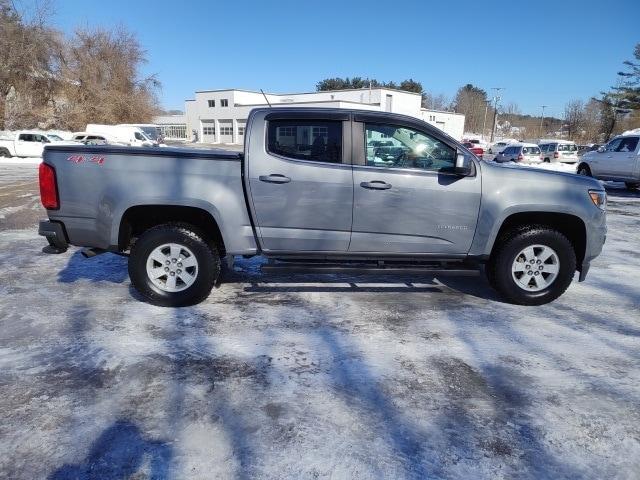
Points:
[(20, 160), (314, 376)]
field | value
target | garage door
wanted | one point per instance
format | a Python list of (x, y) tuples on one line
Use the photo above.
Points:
[(241, 128), (226, 131), (208, 131)]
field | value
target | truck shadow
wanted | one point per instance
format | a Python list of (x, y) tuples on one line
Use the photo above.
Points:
[(102, 268), (249, 274), (118, 453), (113, 268)]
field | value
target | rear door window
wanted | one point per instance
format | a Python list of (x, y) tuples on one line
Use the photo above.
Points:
[(315, 140), (531, 150)]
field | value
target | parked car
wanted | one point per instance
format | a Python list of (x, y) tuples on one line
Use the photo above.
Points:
[(521, 153), (90, 139), (559, 151), (498, 147), (23, 143), (475, 149), (322, 205), (618, 160), (582, 149)]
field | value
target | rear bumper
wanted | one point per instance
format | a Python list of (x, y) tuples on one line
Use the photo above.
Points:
[(54, 233)]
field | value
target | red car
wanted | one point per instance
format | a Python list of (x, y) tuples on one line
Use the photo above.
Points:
[(473, 147)]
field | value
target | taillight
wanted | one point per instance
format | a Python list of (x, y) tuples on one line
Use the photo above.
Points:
[(48, 187), (520, 157), (556, 154)]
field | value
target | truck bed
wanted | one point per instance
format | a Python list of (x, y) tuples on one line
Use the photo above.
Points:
[(98, 184)]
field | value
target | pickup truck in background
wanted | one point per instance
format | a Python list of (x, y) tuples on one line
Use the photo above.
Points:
[(618, 160), (23, 143), (313, 193)]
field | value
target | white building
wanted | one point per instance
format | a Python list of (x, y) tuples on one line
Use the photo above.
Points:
[(220, 116)]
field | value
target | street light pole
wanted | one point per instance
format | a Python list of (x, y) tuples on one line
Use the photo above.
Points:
[(542, 119), (495, 111)]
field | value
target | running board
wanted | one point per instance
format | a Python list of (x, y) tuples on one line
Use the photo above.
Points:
[(315, 268)]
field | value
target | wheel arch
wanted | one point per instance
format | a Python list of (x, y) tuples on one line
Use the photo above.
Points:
[(571, 226), (139, 218)]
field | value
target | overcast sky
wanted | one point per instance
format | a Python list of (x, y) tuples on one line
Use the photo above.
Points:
[(542, 52)]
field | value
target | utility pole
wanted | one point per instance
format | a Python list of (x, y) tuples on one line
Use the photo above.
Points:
[(542, 119), (484, 122), (495, 111)]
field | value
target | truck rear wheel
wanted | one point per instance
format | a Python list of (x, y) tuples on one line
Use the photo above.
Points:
[(532, 266), (172, 266), (5, 153)]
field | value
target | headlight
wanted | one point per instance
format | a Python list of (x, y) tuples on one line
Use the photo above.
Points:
[(599, 198)]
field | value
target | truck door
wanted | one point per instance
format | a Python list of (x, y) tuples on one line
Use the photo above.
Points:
[(406, 197), (300, 182), (28, 145), (627, 156)]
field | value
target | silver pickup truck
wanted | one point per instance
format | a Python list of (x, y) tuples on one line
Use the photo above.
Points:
[(323, 190)]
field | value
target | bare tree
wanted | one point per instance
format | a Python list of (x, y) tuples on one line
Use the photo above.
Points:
[(574, 118), (101, 80), (28, 65), (435, 102)]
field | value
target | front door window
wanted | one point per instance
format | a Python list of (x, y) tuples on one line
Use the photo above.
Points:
[(390, 146)]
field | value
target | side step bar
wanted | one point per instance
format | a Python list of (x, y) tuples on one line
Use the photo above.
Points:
[(315, 268)]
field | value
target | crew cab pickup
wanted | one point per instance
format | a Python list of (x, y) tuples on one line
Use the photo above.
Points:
[(311, 195), (23, 144), (618, 160)]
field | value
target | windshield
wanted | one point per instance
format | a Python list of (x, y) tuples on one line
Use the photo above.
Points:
[(531, 150), (567, 147), (150, 132)]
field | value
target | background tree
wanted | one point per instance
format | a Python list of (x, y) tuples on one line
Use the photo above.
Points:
[(472, 102), (28, 65), (627, 94), (435, 102), (574, 118), (102, 81)]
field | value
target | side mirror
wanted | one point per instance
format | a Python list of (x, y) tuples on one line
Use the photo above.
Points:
[(600, 149), (463, 165)]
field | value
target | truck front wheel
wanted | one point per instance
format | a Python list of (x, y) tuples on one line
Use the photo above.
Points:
[(532, 266), (172, 266)]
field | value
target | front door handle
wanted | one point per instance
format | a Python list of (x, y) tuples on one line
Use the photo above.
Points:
[(274, 178), (376, 185)]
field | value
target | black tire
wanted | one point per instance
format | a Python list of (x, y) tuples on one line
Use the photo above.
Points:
[(584, 170), (5, 153), (632, 185), (498, 269), (546, 160), (208, 261)]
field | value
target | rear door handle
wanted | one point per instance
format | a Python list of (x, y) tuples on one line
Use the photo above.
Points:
[(376, 185), (274, 178)]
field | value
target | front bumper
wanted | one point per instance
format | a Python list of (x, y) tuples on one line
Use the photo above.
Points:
[(55, 234)]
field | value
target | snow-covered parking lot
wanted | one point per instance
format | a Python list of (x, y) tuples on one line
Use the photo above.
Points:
[(312, 377)]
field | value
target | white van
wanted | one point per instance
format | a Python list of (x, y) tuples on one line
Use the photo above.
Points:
[(150, 130), (125, 134)]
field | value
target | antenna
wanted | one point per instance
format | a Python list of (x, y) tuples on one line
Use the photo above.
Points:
[(265, 97)]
